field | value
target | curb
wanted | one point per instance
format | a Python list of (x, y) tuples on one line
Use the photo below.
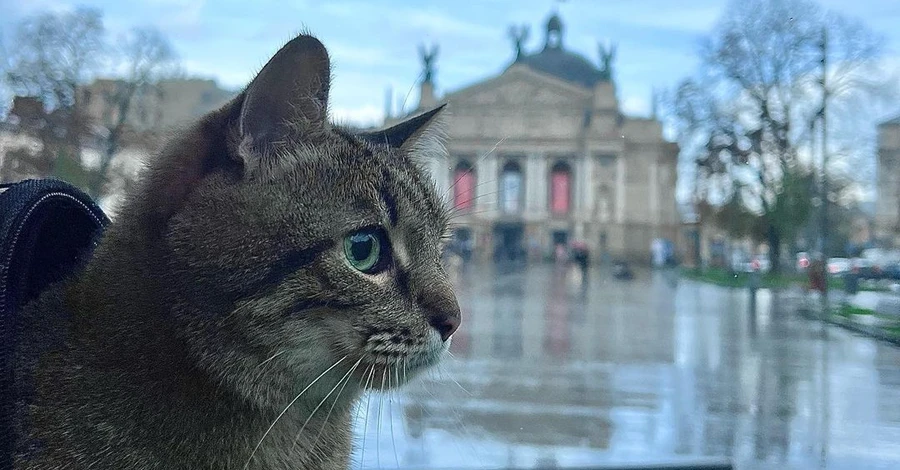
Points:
[(870, 331)]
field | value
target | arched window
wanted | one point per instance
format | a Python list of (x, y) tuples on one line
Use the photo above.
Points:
[(511, 188), (560, 188), (463, 186)]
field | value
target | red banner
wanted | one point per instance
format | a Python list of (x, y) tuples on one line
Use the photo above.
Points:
[(464, 189), (559, 192)]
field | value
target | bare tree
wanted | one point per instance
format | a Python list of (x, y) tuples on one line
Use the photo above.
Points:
[(51, 55), (748, 118), (145, 57), (4, 66)]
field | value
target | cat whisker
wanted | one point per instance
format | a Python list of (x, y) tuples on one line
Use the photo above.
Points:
[(273, 357), (405, 368), (499, 143), (450, 376), (336, 398), (403, 106), (492, 193), (454, 413), (455, 212), (482, 184), (359, 406), (480, 159), (378, 429), (428, 387), (454, 217), (362, 457), (391, 414), (250, 459), (448, 200), (481, 195), (313, 413)]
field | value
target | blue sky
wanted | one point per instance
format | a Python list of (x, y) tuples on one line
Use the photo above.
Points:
[(374, 43)]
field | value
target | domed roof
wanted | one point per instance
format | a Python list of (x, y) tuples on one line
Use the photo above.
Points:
[(563, 64), (557, 61)]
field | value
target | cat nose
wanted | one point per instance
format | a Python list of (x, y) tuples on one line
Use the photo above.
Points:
[(444, 324), (441, 310)]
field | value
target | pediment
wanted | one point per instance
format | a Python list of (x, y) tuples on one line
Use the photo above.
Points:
[(519, 88)]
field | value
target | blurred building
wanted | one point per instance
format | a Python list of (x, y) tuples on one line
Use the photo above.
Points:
[(163, 106), (151, 115), (541, 156), (887, 207)]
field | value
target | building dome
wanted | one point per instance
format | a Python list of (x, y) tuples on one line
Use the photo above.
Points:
[(554, 60), (563, 64)]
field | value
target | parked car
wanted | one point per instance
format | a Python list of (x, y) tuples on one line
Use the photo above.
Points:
[(892, 271), (757, 263), (739, 261), (878, 263), (865, 268), (761, 263), (839, 266)]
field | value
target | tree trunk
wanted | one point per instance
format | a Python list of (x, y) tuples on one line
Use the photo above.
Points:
[(122, 100), (98, 180), (774, 239)]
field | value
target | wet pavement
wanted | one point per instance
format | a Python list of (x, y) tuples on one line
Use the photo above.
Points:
[(551, 369)]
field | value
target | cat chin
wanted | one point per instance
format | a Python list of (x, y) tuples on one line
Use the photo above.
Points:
[(382, 373)]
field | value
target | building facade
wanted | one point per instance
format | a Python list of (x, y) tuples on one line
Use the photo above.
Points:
[(165, 105), (541, 157), (887, 207)]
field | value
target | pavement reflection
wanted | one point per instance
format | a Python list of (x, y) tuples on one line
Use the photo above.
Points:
[(551, 369)]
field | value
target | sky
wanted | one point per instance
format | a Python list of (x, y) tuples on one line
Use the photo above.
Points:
[(374, 43)]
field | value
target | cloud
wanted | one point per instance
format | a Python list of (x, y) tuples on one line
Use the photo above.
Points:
[(436, 23), (440, 24)]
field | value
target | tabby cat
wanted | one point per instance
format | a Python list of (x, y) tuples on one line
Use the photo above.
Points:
[(268, 269)]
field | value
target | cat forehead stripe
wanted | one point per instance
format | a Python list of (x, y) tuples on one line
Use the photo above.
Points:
[(414, 188), (390, 203)]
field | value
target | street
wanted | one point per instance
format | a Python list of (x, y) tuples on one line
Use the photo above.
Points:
[(549, 369)]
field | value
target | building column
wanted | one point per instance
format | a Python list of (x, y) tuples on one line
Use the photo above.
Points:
[(532, 185), (620, 188), (487, 186), (655, 219), (587, 184), (540, 175)]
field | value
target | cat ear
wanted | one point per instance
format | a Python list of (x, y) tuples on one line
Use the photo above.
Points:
[(417, 131), (288, 99), (286, 102)]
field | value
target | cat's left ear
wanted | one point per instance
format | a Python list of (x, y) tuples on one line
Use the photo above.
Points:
[(415, 132), (288, 100)]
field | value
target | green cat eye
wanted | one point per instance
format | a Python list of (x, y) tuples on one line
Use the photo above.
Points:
[(366, 250)]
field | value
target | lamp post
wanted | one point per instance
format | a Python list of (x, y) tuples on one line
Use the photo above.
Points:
[(823, 229)]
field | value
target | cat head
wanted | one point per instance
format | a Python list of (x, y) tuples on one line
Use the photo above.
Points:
[(291, 244)]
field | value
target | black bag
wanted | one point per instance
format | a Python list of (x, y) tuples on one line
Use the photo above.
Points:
[(48, 229)]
